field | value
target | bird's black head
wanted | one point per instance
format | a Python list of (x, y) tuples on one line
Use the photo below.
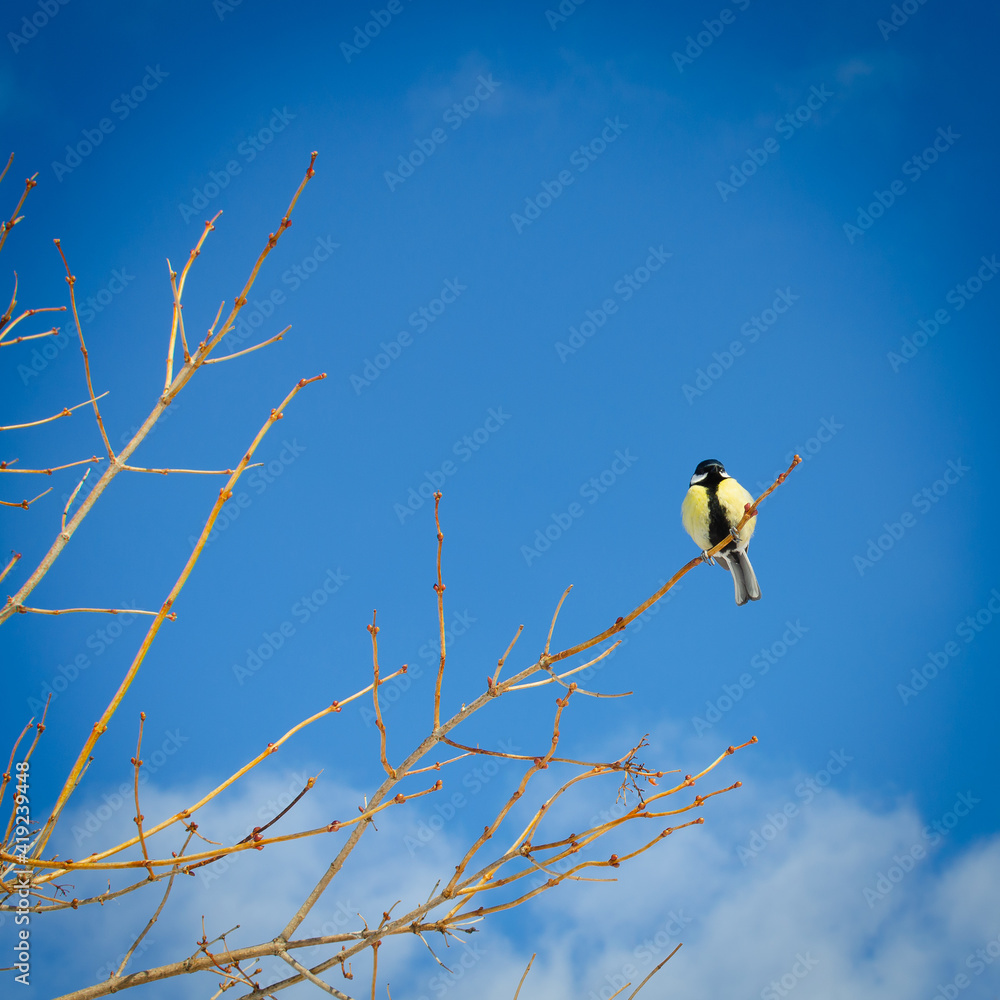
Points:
[(711, 470)]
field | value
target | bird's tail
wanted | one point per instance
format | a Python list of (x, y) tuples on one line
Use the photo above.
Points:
[(744, 579)]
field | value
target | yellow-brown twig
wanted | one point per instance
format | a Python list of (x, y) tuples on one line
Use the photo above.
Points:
[(72, 497), (64, 412), (517, 992), (138, 818), (373, 631), (192, 472), (21, 609), (176, 385), (506, 653), (439, 590), (159, 909), (256, 347), (101, 725), (71, 281), (14, 217), (11, 563), (24, 504), (6, 466), (655, 971), (30, 336)]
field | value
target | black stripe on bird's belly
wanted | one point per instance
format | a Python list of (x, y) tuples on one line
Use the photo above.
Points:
[(718, 523)]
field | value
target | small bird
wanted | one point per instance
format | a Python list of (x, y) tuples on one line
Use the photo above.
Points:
[(712, 508)]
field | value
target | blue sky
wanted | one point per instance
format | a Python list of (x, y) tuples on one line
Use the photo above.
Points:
[(536, 252)]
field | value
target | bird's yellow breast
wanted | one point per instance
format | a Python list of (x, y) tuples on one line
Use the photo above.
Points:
[(733, 499), (696, 514)]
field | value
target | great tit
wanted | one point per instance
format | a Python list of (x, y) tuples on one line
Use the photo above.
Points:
[(714, 505)]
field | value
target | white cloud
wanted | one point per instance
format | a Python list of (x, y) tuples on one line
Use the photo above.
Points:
[(795, 914)]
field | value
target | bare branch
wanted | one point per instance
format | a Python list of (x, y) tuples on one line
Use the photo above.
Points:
[(71, 281), (439, 590), (65, 412), (15, 218), (101, 725), (6, 466), (256, 347), (12, 562)]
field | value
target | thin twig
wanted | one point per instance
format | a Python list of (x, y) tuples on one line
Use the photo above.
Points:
[(24, 504), (137, 763), (71, 281), (30, 336), (517, 992), (14, 217), (548, 638), (506, 653), (64, 412), (193, 472), (314, 979), (178, 383), (439, 590), (655, 971), (373, 630), (72, 497), (21, 609), (10, 564), (256, 347), (6, 466), (101, 725), (159, 909)]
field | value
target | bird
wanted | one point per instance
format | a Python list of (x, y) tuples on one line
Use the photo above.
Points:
[(713, 506)]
